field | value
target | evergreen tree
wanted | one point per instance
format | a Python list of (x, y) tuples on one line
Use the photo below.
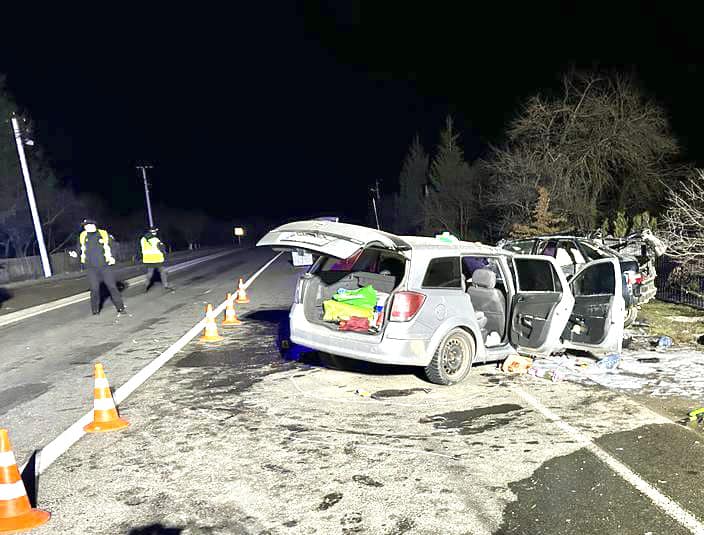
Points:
[(544, 221), (414, 176), (620, 224), (451, 203)]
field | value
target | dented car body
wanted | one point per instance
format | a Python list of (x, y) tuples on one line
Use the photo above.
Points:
[(451, 303)]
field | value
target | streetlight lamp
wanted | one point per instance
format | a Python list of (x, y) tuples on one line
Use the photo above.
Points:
[(30, 196)]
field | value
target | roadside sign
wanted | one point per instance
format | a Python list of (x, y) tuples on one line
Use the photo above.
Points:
[(239, 231)]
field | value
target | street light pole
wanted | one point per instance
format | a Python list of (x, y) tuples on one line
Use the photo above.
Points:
[(30, 196), (375, 195), (146, 193)]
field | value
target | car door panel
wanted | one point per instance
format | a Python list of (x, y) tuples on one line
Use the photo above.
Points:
[(596, 321), (541, 306), (531, 320)]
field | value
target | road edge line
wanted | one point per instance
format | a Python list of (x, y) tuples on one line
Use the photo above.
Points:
[(67, 438), (667, 505)]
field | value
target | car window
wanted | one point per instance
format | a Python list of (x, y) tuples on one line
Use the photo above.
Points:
[(443, 273), (535, 275), (471, 263), (592, 252), (520, 246), (363, 260), (547, 248), (595, 280)]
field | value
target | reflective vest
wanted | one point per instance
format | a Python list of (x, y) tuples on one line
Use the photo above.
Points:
[(151, 254), (104, 241)]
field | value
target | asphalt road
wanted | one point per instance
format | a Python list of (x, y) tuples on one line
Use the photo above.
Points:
[(246, 436)]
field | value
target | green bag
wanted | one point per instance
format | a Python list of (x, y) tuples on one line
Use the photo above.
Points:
[(334, 311), (364, 297)]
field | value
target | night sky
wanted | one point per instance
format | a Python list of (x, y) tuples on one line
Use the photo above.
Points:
[(293, 110)]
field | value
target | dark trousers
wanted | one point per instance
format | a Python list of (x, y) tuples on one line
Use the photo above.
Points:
[(153, 268), (96, 275)]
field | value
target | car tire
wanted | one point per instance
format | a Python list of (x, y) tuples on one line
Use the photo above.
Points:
[(452, 359), (631, 315)]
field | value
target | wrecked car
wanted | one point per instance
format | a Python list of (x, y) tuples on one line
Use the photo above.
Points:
[(446, 304), (571, 253)]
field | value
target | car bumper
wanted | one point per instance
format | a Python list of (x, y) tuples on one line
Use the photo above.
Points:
[(353, 345)]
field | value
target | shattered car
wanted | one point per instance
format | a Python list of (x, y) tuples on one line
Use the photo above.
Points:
[(448, 304), (572, 252)]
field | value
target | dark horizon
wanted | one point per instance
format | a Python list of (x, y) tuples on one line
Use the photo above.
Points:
[(298, 110)]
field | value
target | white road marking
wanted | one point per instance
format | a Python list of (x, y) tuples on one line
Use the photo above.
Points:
[(70, 436), (667, 505), (20, 315)]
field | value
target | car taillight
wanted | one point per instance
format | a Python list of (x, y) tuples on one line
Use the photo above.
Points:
[(406, 305)]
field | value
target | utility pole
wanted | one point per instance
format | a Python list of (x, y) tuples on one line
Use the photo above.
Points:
[(375, 196), (30, 196), (146, 192)]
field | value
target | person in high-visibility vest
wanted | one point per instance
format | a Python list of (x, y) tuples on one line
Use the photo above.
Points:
[(97, 257), (153, 257)]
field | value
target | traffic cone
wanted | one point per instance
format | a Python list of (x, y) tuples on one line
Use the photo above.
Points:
[(242, 296), (211, 329), (230, 315), (105, 417), (16, 513)]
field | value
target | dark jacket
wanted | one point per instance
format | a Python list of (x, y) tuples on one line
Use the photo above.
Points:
[(95, 249)]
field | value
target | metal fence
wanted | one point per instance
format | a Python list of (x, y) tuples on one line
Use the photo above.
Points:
[(30, 267), (689, 292)]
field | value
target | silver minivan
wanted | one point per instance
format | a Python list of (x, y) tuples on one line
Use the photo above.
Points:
[(450, 303)]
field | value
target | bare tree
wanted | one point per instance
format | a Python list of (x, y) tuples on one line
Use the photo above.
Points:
[(683, 221), (599, 146)]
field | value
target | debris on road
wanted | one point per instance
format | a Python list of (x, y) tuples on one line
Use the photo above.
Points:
[(516, 364), (664, 342)]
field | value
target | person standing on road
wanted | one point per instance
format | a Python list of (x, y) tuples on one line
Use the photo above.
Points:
[(154, 256), (96, 256)]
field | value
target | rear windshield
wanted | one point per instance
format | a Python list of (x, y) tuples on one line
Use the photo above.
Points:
[(374, 261)]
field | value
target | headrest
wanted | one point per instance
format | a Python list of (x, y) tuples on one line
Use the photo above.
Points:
[(484, 278)]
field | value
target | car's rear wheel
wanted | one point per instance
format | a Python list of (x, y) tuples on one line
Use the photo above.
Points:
[(631, 315), (452, 359)]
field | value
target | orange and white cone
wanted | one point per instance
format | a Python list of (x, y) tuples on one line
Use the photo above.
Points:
[(105, 417), (242, 296), (16, 513), (230, 314), (211, 329)]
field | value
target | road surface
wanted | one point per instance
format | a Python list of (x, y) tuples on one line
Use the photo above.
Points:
[(247, 436)]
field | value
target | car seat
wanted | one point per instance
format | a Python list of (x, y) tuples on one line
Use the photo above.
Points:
[(488, 299)]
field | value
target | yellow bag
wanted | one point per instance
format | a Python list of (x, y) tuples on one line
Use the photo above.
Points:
[(335, 311)]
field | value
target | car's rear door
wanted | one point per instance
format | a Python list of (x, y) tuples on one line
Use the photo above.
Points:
[(340, 240), (596, 321), (541, 306)]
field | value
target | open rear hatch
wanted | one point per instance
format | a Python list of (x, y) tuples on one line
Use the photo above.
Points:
[(340, 240), (356, 257)]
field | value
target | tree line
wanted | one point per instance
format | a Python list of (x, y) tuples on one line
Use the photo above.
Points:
[(597, 153)]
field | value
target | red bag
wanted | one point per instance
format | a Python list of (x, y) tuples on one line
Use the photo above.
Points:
[(355, 323)]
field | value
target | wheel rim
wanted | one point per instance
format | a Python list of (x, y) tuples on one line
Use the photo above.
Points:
[(455, 355)]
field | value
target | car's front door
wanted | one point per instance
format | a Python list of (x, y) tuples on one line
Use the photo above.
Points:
[(596, 322), (541, 305)]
